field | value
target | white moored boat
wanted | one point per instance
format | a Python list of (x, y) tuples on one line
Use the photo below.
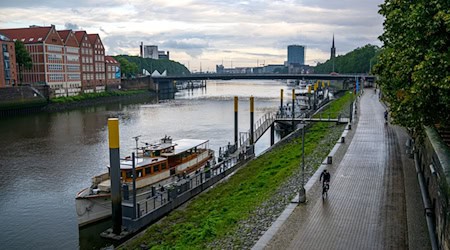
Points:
[(155, 163)]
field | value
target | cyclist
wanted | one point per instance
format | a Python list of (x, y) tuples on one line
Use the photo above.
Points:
[(385, 116), (326, 179)]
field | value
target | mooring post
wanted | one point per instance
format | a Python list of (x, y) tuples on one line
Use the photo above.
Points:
[(114, 161), (281, 103), (236, 121), (272, 134), (293, 106), (252, 111), (133, 171)]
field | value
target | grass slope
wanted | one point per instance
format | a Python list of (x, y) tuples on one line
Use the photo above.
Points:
[(215, 213)]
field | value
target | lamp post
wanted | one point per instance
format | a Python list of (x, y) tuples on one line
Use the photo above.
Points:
[(302, 191), (136, 138)]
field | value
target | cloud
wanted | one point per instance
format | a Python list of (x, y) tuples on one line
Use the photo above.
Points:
[(72, 26), (194, 30)]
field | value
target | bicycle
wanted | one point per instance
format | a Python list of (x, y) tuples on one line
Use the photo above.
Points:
[(325, 187)]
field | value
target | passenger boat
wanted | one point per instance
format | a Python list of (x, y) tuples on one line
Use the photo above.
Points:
[(154, 164)]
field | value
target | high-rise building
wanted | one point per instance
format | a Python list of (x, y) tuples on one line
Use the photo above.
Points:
[(333, 50), (296, 54)]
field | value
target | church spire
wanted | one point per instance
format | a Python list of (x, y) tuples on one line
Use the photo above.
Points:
[(333, 50)]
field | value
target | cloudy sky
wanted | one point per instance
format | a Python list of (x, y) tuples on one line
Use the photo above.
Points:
[(209, 32)]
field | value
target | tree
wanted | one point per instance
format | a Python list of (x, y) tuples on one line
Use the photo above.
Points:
[(23, 58), (149, 64), (127, 68), (357, 61), (413, 67)]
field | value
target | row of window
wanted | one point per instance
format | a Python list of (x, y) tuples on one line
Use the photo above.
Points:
[(55, 48), (73, 76), (148, 170), (73, 58), (73, 67), (56, 77), (55, 67), (54, 57), (72, 50)]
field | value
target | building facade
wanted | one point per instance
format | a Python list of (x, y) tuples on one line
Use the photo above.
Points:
[(296, 54), (46, 49), (150, 51), (98, 59), (112, 69), (88, 82), (8, 68), (71, 59)]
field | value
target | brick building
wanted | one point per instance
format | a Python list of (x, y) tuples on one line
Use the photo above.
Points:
[(72, 60), (46, 49), (99, 62), (86, 62), (112, 67), (8, 69)]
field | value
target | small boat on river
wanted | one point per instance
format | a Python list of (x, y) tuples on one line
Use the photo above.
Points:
[(154, 164)]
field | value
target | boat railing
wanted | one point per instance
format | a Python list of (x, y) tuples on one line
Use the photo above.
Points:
[(155, 198)]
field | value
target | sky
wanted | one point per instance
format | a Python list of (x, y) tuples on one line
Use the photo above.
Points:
[(202, 34)]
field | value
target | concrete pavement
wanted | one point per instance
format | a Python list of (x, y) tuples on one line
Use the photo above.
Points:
[(374, 199)]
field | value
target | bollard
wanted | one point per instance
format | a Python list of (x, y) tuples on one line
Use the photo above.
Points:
[(343, 139), (349, 127), (329, 160)]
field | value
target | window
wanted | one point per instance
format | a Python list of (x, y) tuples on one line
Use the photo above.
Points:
[(156, 168), (148, 170), (163, 165)]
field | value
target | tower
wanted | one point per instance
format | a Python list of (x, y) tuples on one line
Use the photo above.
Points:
[(333, 50)]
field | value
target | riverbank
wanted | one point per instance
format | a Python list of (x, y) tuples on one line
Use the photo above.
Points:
[(36, 105), (235, 213), (87, 100)]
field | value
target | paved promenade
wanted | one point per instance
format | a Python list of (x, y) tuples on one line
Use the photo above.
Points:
[(374, 199)]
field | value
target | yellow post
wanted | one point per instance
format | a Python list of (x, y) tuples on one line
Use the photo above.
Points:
[(114, 161)]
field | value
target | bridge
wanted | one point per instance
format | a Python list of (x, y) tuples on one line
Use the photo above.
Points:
[(192, 77)]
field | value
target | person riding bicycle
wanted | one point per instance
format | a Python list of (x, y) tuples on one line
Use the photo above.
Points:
[(385, 116), (326, 177)]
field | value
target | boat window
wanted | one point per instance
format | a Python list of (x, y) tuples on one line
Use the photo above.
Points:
[(148, 170), (156, 168), (156, 153), (129, 174), (163, 165), (139, 173)]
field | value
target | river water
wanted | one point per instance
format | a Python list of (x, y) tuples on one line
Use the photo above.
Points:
[(46, 158)]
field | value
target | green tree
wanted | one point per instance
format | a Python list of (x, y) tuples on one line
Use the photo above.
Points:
[(357, 61), (414, 64), (161, 65), (23, 58), (127, 68)]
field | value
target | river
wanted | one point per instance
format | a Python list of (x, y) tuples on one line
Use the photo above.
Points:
[(47, 158)]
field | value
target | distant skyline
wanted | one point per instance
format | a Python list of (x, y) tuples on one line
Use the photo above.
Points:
[(206, 33)]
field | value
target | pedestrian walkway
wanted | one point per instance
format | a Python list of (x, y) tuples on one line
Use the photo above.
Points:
[(368, 205)]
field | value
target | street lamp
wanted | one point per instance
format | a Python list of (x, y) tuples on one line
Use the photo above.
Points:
[(136, 138), (302, 191)]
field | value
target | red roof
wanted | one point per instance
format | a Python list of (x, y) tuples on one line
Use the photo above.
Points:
[(32, 34), (93, 38), (110, 59), (64, 34), (79, 35)]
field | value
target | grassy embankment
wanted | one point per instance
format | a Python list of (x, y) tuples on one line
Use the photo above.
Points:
[(215, 213), (90, 96)]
